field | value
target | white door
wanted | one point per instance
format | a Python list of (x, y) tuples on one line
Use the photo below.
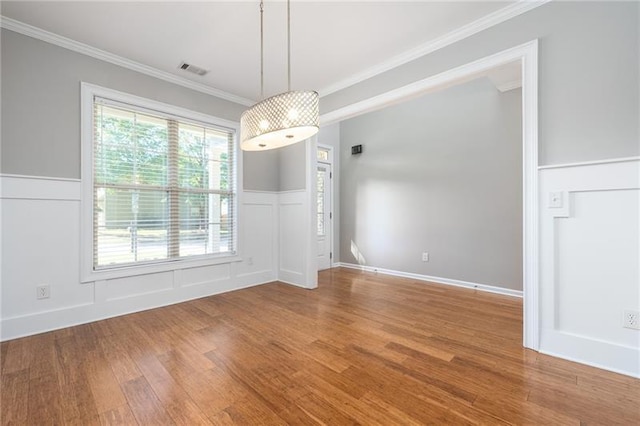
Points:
[(325, 218)]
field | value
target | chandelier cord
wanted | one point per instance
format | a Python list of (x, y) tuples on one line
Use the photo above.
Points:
[(261, 49), (288, 45), (283, 119)]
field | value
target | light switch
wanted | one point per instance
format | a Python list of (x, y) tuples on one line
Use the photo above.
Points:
[(555, 200)]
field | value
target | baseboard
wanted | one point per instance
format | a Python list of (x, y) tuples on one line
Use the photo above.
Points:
[(42, 322), (437, 280), (291, 277), (591, 351), (294, 284), (590, 364), (260, 277)]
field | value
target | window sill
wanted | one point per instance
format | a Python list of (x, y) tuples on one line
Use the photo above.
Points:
[(154, 268)]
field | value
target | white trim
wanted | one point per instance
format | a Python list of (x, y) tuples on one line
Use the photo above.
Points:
[(257, 191), (152, 105), (329, 163), (19, 187), (311, 240), (69, 316), (61, 179), (87, 274), (431, 46), (438, 280), (415, 89), (591, 364), (511, 85), (329, 150), (85, 49), (291, 191), (530, 202), (527, 53), (157, 267), (590, 163)]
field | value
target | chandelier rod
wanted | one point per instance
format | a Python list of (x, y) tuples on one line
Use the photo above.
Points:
[(288, 45), (261, 49)]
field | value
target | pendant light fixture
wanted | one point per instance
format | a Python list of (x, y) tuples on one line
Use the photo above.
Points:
[(282, 119)]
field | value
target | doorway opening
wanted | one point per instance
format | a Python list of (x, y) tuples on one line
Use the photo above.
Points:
[(324, 202), (527, 57)]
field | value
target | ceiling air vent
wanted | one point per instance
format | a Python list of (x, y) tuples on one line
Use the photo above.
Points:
[(192, 69)]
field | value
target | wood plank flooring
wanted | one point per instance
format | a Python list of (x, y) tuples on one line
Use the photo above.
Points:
[(361, 349)]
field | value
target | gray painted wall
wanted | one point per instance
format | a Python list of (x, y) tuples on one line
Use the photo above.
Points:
[(260, 170), (281, 169), (441, 174), (292, 167), (41, 103), (589, 92)]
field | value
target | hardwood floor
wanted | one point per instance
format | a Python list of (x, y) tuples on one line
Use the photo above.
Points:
[(362, 348)]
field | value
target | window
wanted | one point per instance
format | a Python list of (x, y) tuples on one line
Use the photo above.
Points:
[(323, 154), (323, 157), (163, 185), (321, 177)]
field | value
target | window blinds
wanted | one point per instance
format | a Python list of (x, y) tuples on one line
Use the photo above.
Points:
[(164, 187)]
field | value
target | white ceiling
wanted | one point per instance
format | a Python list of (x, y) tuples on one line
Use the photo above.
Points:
[(331, 41)]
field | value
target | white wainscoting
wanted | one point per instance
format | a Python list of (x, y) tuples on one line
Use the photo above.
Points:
[(293, 229), (41, 245), (259, 232), (590, 263)]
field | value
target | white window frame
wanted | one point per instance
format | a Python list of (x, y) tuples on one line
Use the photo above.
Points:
[(88, 93)]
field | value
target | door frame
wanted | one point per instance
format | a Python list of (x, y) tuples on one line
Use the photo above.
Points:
[(329, 162), (527, 54)]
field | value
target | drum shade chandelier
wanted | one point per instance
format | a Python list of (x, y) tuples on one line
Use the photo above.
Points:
[(282, 119)]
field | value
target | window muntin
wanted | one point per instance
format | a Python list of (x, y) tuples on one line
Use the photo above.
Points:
[(164, 187)]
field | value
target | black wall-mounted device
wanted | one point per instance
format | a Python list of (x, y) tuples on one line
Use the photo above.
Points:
[(356, 149)]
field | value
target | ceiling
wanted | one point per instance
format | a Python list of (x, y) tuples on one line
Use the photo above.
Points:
[(331, 41)]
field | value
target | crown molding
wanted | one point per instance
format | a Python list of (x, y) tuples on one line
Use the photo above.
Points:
[(461, 33), (85, 49)]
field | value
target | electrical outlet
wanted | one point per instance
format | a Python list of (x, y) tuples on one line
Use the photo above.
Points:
[(42, 292), (632, 319), (425, 257)]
